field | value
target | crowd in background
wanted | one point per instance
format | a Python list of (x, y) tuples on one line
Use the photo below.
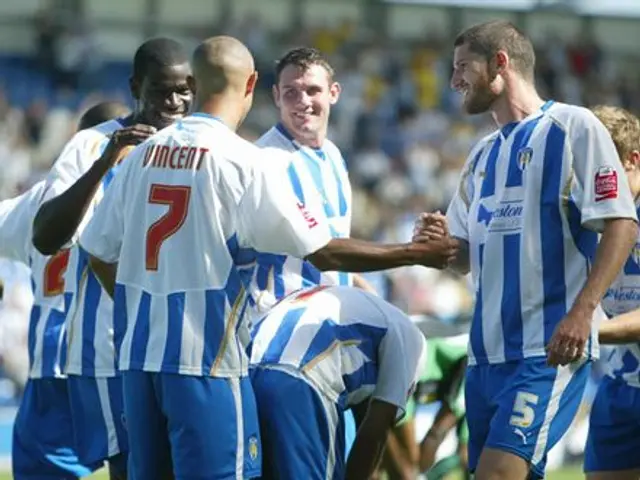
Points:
[(397, 123)]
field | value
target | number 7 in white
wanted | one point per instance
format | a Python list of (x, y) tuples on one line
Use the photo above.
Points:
[(523, 413)]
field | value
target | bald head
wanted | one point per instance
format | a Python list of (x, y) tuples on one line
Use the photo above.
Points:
[(220, 64)]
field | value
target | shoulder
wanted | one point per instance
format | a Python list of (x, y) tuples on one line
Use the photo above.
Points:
[(573, 118), (273, 139)]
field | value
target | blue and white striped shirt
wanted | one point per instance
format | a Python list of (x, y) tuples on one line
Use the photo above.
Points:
[(182, 218), (90, 317), (530, 200), (347, 343), (320, 180), (46, 335), (624, 296)]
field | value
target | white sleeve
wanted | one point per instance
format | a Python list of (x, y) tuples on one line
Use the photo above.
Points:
[(400, 355), (16, 217), (102, 237), (600, 189), (458, 211), (271, 219), (76, 158)]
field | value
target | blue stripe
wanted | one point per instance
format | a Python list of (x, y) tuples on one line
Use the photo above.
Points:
[(140, 338), (511, 308), (173, 344), (274, 350), (50, 341), (586, 241), (119, 318), (214, 327), (330, 332), (476, 334), (36, 312), (240, 256), (296, 183), (342, 200), (551, 233), (489, 182), (68, 298), (310, 274), (518, 149), (366, 375), (92, 294)]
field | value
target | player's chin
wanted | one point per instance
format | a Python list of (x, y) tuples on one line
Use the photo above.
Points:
[(164, 120)]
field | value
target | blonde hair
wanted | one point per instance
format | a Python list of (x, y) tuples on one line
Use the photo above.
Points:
[(623, 126)]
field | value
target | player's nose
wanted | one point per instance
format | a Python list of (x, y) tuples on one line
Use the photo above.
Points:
[(173, 101)]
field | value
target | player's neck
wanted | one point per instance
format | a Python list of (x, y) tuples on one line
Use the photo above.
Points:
[(518, 102), (226, 111), (312, 140)]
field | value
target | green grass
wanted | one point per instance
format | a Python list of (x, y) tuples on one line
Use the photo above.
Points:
[(573, 473)]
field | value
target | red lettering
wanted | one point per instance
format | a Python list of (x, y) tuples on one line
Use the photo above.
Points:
[(181, 156), (147, 155), (190, 157), (172, 165), (203, 152)]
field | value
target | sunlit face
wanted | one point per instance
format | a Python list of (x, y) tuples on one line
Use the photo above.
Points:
[(471, 79), (164, 95), (304, 97)]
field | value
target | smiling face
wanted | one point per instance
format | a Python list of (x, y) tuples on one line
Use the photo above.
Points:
[(471, 78), (304, 97), (163, 94)]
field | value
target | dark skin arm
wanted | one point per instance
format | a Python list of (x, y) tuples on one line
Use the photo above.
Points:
[(370, 440), (351, 255), (105, 272), (445, 420), (57, 219)]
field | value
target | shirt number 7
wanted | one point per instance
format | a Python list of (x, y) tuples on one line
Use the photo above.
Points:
[(177, 199)]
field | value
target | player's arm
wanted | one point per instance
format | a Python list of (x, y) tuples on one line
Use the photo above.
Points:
[(370, 440), (102, 237), (443, 423), (58, 218), (605, 202), (105, 272), (622, 329), (272, 220)]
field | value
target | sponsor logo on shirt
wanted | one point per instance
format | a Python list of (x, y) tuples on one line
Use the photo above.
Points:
[(311, 221), (606, 184)]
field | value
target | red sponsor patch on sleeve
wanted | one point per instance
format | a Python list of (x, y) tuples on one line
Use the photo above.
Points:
[(311, 221), (606, 184)]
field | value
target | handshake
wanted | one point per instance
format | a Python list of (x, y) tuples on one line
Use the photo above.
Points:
[(431, 237)]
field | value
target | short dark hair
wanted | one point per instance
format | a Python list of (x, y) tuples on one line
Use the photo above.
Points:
[(101, 113), (158, 52), (303, 58), (488, 38)]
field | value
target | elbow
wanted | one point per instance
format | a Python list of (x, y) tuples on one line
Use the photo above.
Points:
[(322, 260), (40, 239)]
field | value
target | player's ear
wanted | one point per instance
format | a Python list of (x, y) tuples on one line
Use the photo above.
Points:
[(633, 161), (134, 86), (191, 83), (252, 81), (334, 92)]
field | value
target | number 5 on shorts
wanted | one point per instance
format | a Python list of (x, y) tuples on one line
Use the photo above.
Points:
[(177, 198), (523, 413)]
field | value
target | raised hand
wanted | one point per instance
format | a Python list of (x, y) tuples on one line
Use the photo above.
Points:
[(122, 140)]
